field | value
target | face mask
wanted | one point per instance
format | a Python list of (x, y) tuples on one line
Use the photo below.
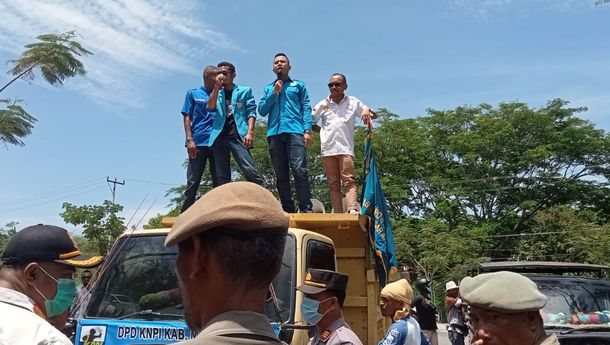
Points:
[(309, 310), (66, 289)]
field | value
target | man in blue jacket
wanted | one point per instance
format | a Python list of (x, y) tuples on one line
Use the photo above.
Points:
[(286, 102), (197, 121), (233, 127)]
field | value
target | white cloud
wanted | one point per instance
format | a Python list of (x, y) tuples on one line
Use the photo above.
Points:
[(486, 8), (133, 41)]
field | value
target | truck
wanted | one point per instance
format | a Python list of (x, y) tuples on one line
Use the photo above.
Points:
[(135, 297), (578, 297)]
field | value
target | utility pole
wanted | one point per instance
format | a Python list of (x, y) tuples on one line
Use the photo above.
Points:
[(114, 183)]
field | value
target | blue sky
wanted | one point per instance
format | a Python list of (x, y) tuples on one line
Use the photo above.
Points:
[(123, 119)]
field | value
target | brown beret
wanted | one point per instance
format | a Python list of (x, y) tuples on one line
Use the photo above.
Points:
[(242, 206), (504, 292)]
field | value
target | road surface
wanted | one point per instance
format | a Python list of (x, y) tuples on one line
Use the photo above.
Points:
[(443, 339)]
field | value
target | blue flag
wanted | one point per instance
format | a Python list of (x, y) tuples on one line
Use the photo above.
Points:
[(380, 227)]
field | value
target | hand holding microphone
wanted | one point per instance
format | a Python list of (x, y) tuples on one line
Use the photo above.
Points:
[(277, 88)]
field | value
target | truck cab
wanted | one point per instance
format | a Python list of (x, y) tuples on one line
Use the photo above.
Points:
[(136, 300)]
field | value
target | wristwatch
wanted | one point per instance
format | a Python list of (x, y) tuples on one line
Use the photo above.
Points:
[(307, 131)]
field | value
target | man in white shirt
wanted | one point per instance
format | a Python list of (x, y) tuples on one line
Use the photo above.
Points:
[(337, 114), (36, 284)]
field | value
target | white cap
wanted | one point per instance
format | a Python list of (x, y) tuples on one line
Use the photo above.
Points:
[(450, 285)]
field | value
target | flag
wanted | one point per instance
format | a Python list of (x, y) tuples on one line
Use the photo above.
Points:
[(380, 227)]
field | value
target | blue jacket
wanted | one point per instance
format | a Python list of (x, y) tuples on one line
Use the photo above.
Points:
[(289, 112), (244, 107)]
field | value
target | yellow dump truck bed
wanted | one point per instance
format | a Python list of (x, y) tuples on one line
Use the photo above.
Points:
[(354, 258)]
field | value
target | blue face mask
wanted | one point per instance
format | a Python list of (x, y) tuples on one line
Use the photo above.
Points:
[(66, 289), (309, 310)]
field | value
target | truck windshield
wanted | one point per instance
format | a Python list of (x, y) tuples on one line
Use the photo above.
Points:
[(576, 302), (140, 283), (139, 276)]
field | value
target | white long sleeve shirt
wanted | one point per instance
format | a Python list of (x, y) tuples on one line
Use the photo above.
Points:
[(337, 122)]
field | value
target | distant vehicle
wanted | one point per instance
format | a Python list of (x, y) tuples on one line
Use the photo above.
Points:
[(578, 305)]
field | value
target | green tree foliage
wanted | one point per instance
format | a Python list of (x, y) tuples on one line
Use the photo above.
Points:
[(155, 222), (15, 123), (563, 234), (500, 164), (6, 233), (57, 58), (56, 55), (100, 222)]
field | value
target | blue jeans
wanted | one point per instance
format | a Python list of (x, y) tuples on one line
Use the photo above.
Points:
[(455, 338), (223, 148), (194, 172), (287, 151)]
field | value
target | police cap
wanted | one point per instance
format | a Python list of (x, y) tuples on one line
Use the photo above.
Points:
[(318, 280)]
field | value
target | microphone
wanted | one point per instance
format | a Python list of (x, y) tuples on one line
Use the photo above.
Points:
[(279, 78)]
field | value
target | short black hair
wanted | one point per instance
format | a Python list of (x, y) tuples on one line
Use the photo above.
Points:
[(340, 296), (208, 68), (340, 75), (282, 54), (227, 64), (250, 259)]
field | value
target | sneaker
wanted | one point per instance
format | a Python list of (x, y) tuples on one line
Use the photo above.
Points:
[(353, 212)]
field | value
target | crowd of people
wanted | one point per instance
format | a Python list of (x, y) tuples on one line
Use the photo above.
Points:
[(219, 122), (227, 259)]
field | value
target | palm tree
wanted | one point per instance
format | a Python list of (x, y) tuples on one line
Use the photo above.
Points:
[(55, 55), (15, 123)]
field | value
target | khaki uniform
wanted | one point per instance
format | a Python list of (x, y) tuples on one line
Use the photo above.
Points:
[(236, 327), (337, 334), (550, 340)]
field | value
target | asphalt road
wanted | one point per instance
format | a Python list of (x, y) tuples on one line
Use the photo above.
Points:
[(443, 339)]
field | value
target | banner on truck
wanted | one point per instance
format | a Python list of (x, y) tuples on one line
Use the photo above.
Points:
[(123, 332)]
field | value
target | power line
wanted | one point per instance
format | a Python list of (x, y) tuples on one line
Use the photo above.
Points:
[(136, 211), (54, 200), (521, 234), (152, 182), (51, 193)]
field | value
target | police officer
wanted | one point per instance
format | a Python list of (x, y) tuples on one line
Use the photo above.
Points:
[(230, 246), (505, 309), (321, 307)]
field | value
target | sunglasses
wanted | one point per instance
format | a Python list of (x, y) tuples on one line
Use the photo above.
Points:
[(334, 85)]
